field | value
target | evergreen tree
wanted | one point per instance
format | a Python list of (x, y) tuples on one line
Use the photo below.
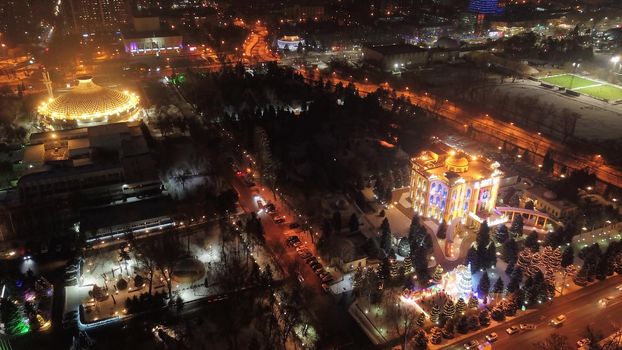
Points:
[(484, 284), (448, 330), (408, 265), (580, 279), (435, 335), (509, 251), (484, 318), (437, 276), (463, 325), (498, 287), (385, 269), (394, 268), (421, 339), (472, 259), (434, 314), (567, 256), (421, 320), (449, 309), (517, 225), (460, 306), (502, 233), (483, 240), (497, 314), (491, 254), (525, 259), (515, 280), (473, 302), (531, 241), (385, 242), (473, 322), (353, 223)]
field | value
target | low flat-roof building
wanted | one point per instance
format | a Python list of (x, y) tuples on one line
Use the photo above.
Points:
[(69, 170), (395, 56), (546, 201)]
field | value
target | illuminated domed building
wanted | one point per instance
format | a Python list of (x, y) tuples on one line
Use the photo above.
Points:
[(447, 184), (89, 104)]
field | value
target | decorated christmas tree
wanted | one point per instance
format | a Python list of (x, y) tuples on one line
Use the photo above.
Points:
[(435, 335), (449, 309), (408, 264), (437, 276), (420, 339), (421, 320), (464, 280), (394, 269), (473, 302), (460, 306), (434, 314), (536, 264), (524, 260)]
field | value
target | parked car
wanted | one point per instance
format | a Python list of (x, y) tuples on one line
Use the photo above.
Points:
[(527, 326), (473, 344), (270, 208), (294, 225), (512, 330), (310, 260), (558, 321), (583, 342), (304, 254), (278, 219), (492, 337), (327, 278), (297, 244)]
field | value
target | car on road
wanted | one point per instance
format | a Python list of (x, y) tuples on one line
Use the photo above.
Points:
[(294, 225), (310, 259), (260, 204), (291, 241), (527, 326), (619, 287), (296, 244), (583, 342), (558, 321), (605, 301), (512, 330), (492, 337), (270, 208), (473, 344), (301, 279), (278, 219), (304, 254)]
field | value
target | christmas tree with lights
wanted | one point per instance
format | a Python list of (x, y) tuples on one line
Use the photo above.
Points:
[(464, 280), (460, 306)]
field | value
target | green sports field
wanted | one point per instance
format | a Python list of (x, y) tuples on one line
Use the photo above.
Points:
[(586, 86)]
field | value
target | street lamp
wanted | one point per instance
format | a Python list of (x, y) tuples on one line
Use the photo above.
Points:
[(574, 71)]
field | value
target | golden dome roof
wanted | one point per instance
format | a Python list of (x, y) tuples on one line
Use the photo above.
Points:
[(456, 163), (88, 101)]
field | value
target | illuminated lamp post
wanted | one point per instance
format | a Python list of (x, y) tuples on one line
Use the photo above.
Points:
[(575, 66)]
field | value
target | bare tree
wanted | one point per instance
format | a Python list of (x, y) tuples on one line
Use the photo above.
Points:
[(553, 342), (402, 319)]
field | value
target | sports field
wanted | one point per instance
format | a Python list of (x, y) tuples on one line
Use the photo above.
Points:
[(586, 86)]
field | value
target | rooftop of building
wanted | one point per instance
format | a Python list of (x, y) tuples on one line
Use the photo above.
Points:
[(545, 194), (95, 218), (450, 164), (395, 49), (88, 149)]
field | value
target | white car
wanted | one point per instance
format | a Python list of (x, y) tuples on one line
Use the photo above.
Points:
[(492, 337), (604, 301), (512, 330), (558, 321), (583, 342)]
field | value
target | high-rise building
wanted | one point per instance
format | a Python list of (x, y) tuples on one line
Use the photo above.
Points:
[(95, 16), (16, 20), (485, 7)]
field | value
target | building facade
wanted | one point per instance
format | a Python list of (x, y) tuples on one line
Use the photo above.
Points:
[(447, 184), (95, 16)]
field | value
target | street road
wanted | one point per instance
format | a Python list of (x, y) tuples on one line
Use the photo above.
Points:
[(581, 308)]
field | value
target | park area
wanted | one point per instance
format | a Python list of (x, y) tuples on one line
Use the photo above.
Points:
[(585, 85)]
